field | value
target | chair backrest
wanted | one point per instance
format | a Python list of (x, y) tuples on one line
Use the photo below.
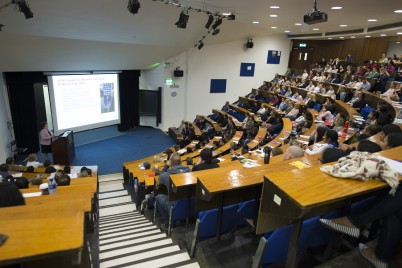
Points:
[(317, 107), (247, 210), (278, 241), (209, 220)]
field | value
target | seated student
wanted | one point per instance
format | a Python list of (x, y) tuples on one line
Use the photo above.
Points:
[(30, 169), (360, 103), (293, 152), (162, 200), (33, 161), (369, 131), (67, 169), (292, 115), (4, 170), (331, 155), (276, 151), (87, 170), (64, 180), (10, 195), (37, 181), (22, 183), (330, 140), (12, 166), (385, 131), (226, 107), (48, 167), (388, 209), (326, 115), (205, 161), (393, 140), (363, 146)]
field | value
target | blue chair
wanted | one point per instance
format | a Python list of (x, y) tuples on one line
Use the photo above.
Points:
[(366, 111), (273, 246), (181, 211), (247, 210), (317, 107), (206, 224)]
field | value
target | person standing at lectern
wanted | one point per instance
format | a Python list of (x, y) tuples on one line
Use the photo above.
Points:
[(45, 139)]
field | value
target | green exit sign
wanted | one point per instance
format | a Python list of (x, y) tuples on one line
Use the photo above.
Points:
[(302, 45)]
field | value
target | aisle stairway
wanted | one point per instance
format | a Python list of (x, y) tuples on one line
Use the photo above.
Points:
[(127, 238)]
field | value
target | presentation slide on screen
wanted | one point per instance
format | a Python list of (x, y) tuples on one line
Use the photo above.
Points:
[(82, 102)]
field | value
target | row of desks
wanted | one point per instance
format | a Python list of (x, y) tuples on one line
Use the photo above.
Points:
[(50, 225)]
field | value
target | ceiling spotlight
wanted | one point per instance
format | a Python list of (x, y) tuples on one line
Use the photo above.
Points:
[(216, 31), (183, 19), (210, 20), (200, 45), (133, 6), (232, 17), (217, 23), (22, 6)]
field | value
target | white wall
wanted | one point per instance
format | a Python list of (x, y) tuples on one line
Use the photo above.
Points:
[(220, 61), (5, 132)]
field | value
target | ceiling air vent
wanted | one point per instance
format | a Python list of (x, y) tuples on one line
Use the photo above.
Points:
[(385, 27), (356, 31)]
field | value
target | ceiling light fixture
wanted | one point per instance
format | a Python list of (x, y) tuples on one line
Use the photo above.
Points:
[(274, 27), (298, 24), (287, 31), (336, 8), (372, 20), (316, 29), (343, 25), (183, 19), (216, 31), (273, 16), (383, 35), (133, 6), (256, 22), (209, 22), (200, 45), (217, 23), (329, 38), (23, 7), (341, 37), (398, 11), (399, 33), (274, 7), (367, 36), (353, 37)]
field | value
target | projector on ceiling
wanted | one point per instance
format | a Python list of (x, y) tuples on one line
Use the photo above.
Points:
[(315, 17)]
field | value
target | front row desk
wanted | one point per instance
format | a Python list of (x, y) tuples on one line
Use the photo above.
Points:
[(287, 194), (51, 230)]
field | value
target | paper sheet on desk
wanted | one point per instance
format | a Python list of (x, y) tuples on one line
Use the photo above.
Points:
[(25, 195), (299, 164), (17, 175), (182, 151), (304, 137), (251, 164), (394, 165), (221, 159)]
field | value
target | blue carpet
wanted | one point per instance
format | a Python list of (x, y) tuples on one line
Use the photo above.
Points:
[(109, 148), (110, 154)]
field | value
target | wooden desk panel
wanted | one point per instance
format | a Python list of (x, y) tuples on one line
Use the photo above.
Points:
[(39, 233)]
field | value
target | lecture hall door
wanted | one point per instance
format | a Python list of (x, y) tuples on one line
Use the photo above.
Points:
[(301, 58)]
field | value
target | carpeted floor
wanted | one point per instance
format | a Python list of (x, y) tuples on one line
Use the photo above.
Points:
[(110, 148)]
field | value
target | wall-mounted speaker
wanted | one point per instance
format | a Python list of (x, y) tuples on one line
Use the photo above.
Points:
[(250, 43), (178, 73)]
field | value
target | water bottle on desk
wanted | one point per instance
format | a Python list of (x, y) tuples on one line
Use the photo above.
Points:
[(267, 154), (52, 186)]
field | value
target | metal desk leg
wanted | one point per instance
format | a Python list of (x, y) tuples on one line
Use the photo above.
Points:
[(291, 260)]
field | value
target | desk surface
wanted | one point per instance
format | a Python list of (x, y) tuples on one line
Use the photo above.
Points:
[(37, 233), (295, 193)]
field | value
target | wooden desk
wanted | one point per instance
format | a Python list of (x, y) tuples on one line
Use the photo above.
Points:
[(39, 233), (289, 197), (234, 184)]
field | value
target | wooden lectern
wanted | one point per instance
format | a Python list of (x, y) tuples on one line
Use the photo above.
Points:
[(63, 148)]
